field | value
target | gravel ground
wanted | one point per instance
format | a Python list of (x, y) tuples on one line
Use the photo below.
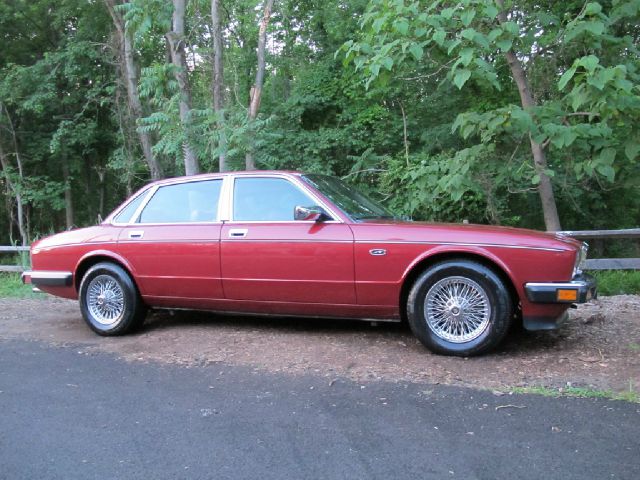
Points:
[(599, 347)]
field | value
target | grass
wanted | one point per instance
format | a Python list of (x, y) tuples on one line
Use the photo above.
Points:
[(610, 282), (628, 396), (11, 287), (617, 282)]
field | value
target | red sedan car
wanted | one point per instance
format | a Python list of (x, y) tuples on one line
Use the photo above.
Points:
[(287, 243)]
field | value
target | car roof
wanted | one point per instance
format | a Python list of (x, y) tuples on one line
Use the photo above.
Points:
[(205, 176)]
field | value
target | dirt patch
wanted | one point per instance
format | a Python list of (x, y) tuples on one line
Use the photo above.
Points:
[(599, 347)]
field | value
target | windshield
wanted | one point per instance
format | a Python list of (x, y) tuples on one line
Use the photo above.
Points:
[(348, 199)]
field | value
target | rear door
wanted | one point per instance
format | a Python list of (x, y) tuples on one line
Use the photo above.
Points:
[(174, 244), (268, 256)]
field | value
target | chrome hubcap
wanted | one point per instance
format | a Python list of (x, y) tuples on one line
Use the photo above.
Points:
[(105, 300), (457, 309)]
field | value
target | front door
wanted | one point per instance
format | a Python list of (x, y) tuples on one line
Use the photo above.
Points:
[(268, 256)]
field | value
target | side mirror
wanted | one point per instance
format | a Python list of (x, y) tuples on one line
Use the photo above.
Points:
[(314, 214)]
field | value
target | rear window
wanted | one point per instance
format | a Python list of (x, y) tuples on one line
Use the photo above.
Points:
[(190, 202), (125, 214)]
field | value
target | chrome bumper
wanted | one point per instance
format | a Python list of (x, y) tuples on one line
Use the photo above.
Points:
[(47, 278), (584, 286)]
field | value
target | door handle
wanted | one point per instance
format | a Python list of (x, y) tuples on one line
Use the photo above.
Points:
[(238, 233), (136, 234)]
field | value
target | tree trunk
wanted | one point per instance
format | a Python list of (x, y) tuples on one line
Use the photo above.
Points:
[(24, 233), (176, 46), (218, 82), (102, 191), (130, 73), (545, 188), (4, 162), (68, 198), (256, 90)]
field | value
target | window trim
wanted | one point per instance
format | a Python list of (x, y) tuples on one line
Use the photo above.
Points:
[(153, 190), (292, 180), (136, 213)]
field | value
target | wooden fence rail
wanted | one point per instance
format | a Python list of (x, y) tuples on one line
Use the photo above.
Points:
[(591, 264), (11, 249), (608, 263)]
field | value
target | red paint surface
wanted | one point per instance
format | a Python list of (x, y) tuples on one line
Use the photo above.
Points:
[(302, 268)]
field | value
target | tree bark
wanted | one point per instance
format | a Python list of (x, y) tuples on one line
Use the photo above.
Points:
[(545, 188), (102, 173), (68, 197), (175, 38), (130, 73), (218, 82), (4, 162), (256, 90)]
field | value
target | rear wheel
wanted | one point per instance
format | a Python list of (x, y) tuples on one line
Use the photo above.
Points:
[(109, 300), (459, 307)]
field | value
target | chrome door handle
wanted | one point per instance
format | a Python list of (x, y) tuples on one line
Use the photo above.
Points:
[(238, 233), (136, 234)]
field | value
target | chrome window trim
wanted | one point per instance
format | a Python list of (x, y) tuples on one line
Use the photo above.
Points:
[(152, 191), (225, 201), (292, 180), (135, 214), (182, 224)]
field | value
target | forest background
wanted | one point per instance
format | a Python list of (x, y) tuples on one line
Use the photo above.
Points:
[(520, 113)]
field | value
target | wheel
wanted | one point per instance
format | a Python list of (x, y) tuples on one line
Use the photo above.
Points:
[(109, 300), (459, 307)]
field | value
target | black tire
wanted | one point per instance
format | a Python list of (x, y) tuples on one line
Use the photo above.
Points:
[(109, 300), (444, 330)]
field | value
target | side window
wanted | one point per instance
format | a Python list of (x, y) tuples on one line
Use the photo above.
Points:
[(125, 214), (266, 199), (183, 203)]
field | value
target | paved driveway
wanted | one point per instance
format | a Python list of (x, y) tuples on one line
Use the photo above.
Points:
[(66, 413)]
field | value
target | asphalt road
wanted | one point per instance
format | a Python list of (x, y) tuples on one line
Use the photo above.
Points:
[(65, 414)]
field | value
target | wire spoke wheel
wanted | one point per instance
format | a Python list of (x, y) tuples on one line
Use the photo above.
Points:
[(105, 300), (457, 309)]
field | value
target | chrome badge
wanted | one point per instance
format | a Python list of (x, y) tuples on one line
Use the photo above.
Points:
[(376, 252)]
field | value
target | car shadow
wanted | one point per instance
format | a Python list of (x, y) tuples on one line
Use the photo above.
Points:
[(517, 342), (164, 319)]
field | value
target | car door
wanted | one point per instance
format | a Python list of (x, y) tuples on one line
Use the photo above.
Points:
[(266, 255), (173, 245)]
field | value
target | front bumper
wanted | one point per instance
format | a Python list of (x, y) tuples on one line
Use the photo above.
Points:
[(47, 278), (580, 289)]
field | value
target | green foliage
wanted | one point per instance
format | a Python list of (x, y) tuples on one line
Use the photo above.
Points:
[(617, 282), (410, 100), (583, 65), (12, 287)]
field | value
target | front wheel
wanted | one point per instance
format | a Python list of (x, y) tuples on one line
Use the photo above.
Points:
[(109, 300), (459, 307)]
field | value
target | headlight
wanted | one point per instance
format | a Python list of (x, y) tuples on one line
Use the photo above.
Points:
[(581, 258)]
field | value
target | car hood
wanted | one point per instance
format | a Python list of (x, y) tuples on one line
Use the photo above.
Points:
[(407, 231)]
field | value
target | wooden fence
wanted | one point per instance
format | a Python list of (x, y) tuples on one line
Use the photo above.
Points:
[(592, 264), (608, 263), (12, 268)]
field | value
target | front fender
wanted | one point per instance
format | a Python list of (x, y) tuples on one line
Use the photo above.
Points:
[(442, 252)]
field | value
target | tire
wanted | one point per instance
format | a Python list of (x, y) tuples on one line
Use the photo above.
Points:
[(459, 307), (109, 300)]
